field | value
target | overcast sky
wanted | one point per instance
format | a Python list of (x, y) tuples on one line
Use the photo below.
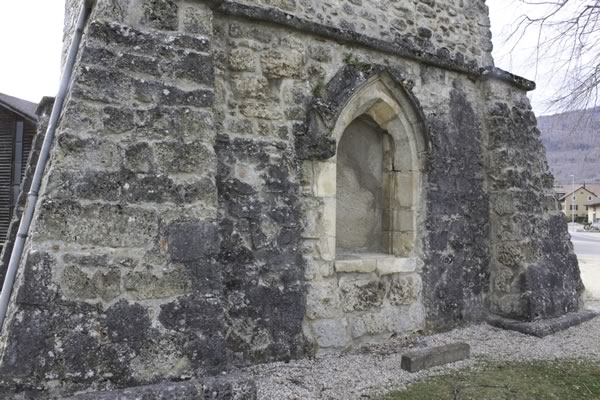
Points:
[(31, 32)]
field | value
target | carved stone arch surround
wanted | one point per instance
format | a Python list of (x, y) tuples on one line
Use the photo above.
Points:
[(336, 315)]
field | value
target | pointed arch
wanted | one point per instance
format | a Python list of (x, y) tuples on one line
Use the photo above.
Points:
[(395, 110)]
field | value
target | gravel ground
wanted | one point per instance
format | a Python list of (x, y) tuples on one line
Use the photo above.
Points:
[(368, 373)]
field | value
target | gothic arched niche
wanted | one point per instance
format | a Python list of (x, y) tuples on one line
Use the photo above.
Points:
[(378, 167)]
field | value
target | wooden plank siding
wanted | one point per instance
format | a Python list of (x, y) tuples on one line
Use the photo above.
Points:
[(9, 177), (8, 122)]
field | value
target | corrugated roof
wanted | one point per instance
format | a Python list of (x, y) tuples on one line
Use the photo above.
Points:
[(20, 106)]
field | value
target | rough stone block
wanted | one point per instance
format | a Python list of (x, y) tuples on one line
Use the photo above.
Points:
[(404, 289), (211, 389), (176, 157), (431, 357), (145, 285), (76, 283), (242, 59), (361, 294), (97, 224), (193, 240), (278, 65), (332, 333), (197, 20), (139, 64), (387, 320), (161, 14), (250, 87), (194, 67), (37, 287), (161, 391), (322, 300)]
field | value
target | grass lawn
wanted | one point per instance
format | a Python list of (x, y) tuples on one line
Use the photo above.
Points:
[(564, 380)]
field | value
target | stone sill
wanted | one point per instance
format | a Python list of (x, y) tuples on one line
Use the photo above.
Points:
[(383, 264)]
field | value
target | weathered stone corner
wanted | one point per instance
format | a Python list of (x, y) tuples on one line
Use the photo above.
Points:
[(235, 183)]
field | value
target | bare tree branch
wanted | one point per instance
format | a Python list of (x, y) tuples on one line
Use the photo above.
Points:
[(568, 35)]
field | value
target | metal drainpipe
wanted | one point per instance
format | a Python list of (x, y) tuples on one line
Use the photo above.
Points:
[(32, 196)]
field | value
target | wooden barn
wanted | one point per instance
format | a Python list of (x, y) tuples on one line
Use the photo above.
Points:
[(17, 128)]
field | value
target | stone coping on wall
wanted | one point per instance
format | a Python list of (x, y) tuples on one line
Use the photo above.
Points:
[(382, 264), (441, 59)]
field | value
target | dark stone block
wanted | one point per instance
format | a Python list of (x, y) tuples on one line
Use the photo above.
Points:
[(108, 86), (37, 287), (128, 323), (130, 187), (140, 64), (99, 57), (26, 354), (193, 240), (118, 120), (192, 314), (200, 320), (195, 67), (192, 43), (161, 14), (542, 327), (194, 98), (114, 34), (211, 389), (161, 391), (418, 360)]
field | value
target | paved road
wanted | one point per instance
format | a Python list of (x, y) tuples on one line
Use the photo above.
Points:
[(587, 248), (586, 243)]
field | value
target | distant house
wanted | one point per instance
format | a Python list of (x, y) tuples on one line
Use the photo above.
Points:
[(577, 202), (17, 128), (559, 191), (594, 210)]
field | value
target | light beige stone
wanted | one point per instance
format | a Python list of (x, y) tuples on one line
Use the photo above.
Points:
[(242, 59), (328, 217), (278, 64), (322, 300), (390, 319), (332, 333), (403, 220), (359, 265), (403, 190), (327, 248), (324, 179), (396, 265)]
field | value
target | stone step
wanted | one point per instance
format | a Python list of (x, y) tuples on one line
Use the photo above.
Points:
[(542, 327)]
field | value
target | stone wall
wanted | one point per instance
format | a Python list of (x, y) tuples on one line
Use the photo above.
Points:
[(186, 223), (458, 28), (534, 272)]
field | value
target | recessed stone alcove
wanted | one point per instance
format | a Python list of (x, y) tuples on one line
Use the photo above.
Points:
[(360, 197), (366, 284)]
